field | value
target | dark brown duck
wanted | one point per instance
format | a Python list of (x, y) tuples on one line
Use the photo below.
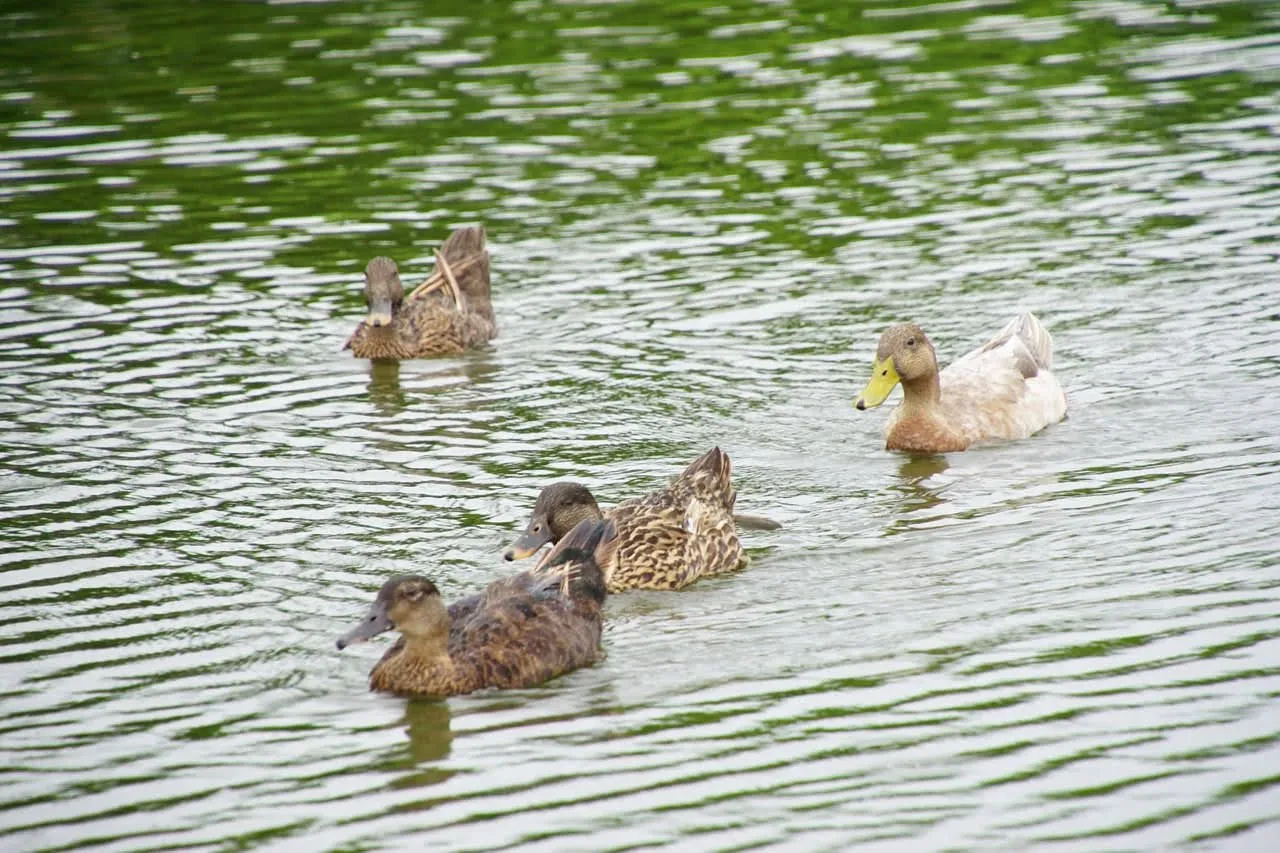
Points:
[(519, 632)]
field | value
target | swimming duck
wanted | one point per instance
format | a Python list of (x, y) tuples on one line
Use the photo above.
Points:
[(1003, 389), (448, 314), (666, 540), (520, 631)]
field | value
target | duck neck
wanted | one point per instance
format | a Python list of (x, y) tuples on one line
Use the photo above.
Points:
[(921, 394), (383, 342), (431, 645)]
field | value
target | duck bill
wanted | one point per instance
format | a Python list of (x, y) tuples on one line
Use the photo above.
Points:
[(379, 313), (884, 376), (375, 623), (528, 544)]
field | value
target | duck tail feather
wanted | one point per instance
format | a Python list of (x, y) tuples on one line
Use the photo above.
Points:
[(1036, 338), (711, 477), (747, 521), (469, 259), (1035, 350), (463, 243)]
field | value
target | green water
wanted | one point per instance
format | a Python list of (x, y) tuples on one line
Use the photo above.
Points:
[(701, 215)]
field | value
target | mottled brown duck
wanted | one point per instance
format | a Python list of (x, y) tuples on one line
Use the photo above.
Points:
[(666, 540), (449, 314), (519, 632)]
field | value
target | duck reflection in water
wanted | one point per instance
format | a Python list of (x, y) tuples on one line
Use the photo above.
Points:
[(384, 387), (388, 393), (916, 492), (426, 724), (427, 727)]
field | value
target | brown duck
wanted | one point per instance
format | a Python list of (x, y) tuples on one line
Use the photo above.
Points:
[(448, 314), (666, 540), (521, 631)]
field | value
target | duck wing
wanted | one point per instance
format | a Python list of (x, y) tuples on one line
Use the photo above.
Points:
[(576, 559), (523, 633), (1005, 388)]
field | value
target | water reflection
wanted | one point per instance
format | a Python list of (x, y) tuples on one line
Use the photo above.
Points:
[(693, 221), (914, 490), (393, 386), (414, 763), (384, 388), (427, 727)]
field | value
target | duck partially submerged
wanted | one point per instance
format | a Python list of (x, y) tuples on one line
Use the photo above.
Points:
[(449, 314), (1005, 389), (519, 632), (666, 540)]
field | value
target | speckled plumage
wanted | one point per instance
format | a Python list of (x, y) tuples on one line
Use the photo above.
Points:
[(427, 324), (520, 631), (666, 540)]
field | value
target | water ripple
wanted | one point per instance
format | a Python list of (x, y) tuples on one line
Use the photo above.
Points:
[(698, 229)]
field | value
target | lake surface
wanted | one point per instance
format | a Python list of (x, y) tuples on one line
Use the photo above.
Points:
[(701, 216)]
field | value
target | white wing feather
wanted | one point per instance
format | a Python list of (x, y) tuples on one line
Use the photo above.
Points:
[(1005, 388)]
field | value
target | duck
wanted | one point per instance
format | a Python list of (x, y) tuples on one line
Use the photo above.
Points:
[(666, 540), (448, 314), (1004, 389), (520, 631)]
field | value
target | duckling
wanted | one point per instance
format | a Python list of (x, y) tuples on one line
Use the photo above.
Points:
[(519, 632), (430, 321), (666, 540), (1004, 389)]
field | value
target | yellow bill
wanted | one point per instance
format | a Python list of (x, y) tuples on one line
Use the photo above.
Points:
[(884, 376)]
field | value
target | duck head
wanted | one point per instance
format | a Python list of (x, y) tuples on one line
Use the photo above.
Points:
[(383, 291), (559, 509), (410, 604), (904, 355)]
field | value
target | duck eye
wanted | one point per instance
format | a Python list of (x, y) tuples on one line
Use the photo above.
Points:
[(911, 342), (884, 372), (537, 527)]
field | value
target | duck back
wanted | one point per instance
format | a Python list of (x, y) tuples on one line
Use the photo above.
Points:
[(659, 548), (522, 637), (1006, 388)]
